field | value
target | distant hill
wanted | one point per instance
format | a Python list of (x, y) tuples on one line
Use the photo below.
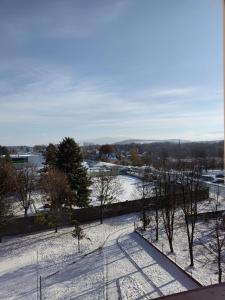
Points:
[(103, 140), (125, 141), (143, 141)]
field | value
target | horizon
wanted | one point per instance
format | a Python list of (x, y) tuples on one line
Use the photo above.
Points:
[(105, 141), (110, 69)]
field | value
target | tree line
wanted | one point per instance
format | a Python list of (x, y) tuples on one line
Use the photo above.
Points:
[(210, 154)]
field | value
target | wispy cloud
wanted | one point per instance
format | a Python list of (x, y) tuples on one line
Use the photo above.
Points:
[(55, 97), (57, 19), (106, 68)]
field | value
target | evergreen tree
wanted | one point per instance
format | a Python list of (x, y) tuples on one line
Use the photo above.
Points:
[(6, 188), (78, 233), (51, 155), (69, 160), (4, 150)]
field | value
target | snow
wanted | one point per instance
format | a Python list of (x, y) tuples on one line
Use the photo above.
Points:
[(94, 166), (129, 185), (129, 192), (205, 266), (37, 203), (115, 263), (167, 277), (56, 251)]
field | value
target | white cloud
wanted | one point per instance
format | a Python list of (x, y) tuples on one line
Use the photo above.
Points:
[(57, 97)]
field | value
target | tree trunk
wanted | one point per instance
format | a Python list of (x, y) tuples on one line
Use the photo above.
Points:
[(220, 275), (171, 245), (144, 219), (101, 215), (78, 245), (191, 255), (157, 225), (219, 267), (56, 228), (25, 212)]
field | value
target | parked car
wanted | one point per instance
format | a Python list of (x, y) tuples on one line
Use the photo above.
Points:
[(208, 178), (218, 180), (219, 176)]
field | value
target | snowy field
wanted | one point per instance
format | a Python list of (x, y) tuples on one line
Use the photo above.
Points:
[(114, 263), (129, 190), (128, 183)]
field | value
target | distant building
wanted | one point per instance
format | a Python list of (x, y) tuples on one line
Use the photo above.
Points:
[(21, 160)]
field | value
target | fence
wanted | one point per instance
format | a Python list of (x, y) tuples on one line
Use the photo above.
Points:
[(84, 215)]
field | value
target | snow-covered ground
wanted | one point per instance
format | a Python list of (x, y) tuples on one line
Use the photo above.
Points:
[(128, 187), (205, 265), (216, 192), (114, 263), (37, 203), (96, 166), (54, 252), (138, 270)]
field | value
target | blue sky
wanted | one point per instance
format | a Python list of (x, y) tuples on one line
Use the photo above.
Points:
[(120, 68)]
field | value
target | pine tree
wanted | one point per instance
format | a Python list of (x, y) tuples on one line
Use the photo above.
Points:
[(6, 187), (51, 155), (69, 160), (78, 233)]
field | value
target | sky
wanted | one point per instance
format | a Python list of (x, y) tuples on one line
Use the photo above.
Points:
[(147, 69)]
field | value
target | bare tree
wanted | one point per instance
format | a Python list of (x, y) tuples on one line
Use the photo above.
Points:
[(24, 184), (168, 206), (218, 236), (218, 245), (157, 193), (106, 189), (190, 186), (55, 186), (144, 190)]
